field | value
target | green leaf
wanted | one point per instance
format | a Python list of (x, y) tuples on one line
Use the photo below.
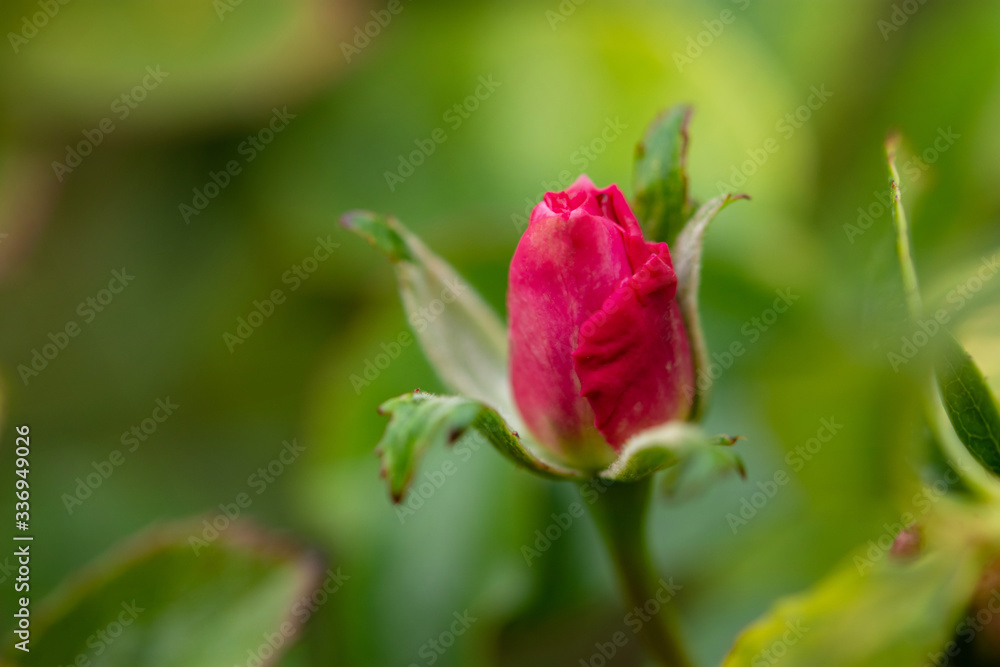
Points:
[(966, 399), (156, 602), (679, 445), (660, 175), (463, 338), (877, 608), (420, 420), (970, 405), (687, 263)]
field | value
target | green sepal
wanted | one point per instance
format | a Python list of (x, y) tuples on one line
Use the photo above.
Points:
[(686, 254), (702, 467), (464, 340), (660, 179), (419, 421), (679, 446)]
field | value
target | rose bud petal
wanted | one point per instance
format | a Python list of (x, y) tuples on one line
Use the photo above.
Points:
[(598, 348)]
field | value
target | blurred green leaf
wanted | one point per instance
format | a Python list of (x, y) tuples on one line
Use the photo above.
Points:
[(462, 337), (966, 398), (660, 178), (162, 601), (970, 405), (876, 608), (220, 60), (419, 421)]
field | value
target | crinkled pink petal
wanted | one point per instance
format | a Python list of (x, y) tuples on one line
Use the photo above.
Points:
[(633, 360)]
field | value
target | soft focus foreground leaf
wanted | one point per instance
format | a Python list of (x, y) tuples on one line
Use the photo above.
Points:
[(660, 179), (157, 602), (419, 421), (970, 405), (687, 263), (462, 337), (678, 445), (879, 608)]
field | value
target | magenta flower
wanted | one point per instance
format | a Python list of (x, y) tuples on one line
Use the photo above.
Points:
[(594, 373), (598, 349)]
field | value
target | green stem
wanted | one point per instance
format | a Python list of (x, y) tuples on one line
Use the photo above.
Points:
[(620, 514)]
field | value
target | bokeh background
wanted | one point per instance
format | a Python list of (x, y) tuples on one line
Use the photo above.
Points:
[(566, 72)]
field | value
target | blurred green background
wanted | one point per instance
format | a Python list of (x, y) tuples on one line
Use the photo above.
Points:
[(566, 72)]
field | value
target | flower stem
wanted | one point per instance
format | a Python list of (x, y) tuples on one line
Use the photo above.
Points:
[(620, 514)]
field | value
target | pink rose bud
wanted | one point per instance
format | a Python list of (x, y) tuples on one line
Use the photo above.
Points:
[(598, 349)]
